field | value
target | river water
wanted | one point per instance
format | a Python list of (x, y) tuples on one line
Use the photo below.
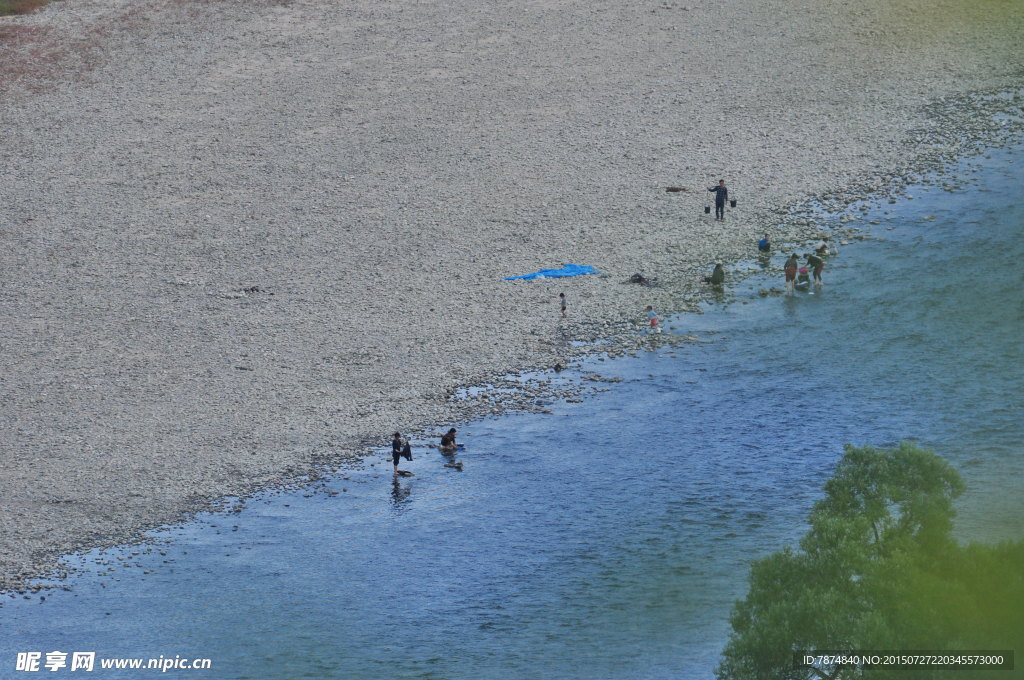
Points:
[(609, 538)]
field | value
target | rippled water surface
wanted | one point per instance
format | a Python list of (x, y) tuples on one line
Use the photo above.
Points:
[(608, 539)]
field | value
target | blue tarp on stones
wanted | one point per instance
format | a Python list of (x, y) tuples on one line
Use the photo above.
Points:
[(567, 270)]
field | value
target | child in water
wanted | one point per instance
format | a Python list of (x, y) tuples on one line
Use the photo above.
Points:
[(803, 278), (652, 317)]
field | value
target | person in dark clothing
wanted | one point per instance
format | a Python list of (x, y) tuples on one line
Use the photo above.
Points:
[(448, 444), (717, 277), (396, 450), (721, 196), (818, 264)]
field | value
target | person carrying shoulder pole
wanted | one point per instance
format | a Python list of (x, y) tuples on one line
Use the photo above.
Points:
[(721, 196)]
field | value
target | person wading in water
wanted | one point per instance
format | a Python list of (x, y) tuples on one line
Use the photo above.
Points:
[(791, 264), (448, 444)]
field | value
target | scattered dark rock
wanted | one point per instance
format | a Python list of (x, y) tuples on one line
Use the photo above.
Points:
[(642, 280)]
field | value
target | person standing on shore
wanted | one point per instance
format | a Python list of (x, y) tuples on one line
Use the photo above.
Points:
[(721, 196), (563, 304), (790, 268)]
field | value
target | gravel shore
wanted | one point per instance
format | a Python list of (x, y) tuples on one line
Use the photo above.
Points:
[(243, 239)]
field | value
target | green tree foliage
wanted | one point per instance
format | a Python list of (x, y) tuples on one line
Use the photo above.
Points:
[(8, 7), (879, 570)]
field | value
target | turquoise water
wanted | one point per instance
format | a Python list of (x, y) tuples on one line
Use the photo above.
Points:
[(610, 538)]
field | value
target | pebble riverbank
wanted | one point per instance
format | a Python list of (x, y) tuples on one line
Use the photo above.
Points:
[(244, 241)]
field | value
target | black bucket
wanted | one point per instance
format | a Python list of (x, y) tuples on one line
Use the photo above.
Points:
[(707, 210), (732, 203)]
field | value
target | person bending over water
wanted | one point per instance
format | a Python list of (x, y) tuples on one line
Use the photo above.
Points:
[(448, 444), (818, 264)]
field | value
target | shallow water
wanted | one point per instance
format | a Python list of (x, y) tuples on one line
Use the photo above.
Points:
[(608, 539)]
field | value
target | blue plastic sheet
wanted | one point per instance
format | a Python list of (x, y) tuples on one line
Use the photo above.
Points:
[(567, 270)]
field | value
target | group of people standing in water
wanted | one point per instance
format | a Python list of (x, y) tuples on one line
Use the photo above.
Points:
[(797, 276), (401, 448)]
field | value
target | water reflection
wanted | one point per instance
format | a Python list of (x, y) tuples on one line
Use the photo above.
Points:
[(400, 493)]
